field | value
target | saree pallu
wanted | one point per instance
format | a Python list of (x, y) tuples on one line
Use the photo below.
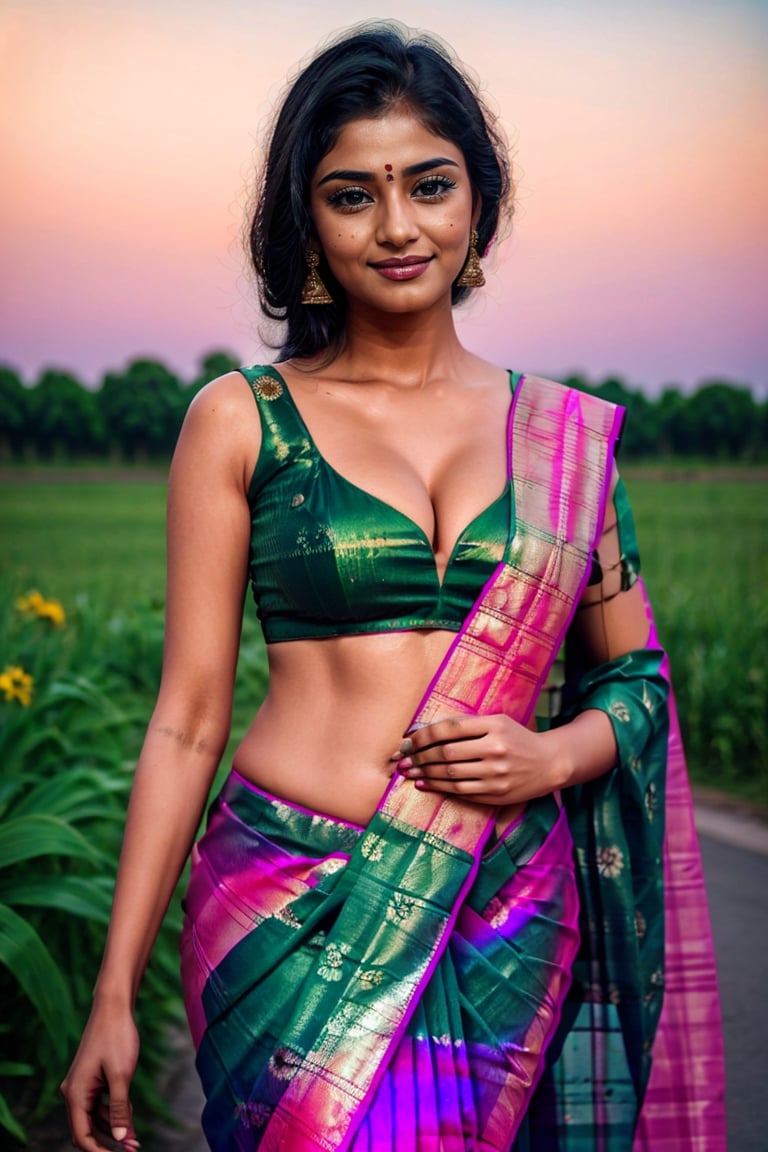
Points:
[(267, 892), (638, 1063)]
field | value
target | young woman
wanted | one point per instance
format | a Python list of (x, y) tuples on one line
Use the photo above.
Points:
[(382, 915)]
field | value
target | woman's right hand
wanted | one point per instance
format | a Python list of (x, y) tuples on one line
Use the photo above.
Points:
[(96, 1088)]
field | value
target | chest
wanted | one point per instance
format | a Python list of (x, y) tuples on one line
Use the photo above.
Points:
[(437, 458)]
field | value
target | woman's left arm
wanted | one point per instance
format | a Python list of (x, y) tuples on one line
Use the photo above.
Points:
[(619, 693)]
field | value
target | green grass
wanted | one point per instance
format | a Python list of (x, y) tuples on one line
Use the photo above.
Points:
[(704, 545), (104, 539)]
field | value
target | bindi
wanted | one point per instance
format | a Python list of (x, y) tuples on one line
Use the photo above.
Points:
[(388, 170)]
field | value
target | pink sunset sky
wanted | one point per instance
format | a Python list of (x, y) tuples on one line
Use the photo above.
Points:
[(639, 129)]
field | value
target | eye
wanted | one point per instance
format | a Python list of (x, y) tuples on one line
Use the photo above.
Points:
[(433, 187), (349, 199)]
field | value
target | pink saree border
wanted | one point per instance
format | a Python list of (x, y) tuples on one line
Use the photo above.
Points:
[(461, 823), (684, 1105)]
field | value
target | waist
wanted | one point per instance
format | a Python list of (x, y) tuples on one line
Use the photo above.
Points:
[(299, 827), (334, 714), (341, 773)]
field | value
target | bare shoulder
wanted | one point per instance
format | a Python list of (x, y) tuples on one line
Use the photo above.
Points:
[(222, 428), (485, 374), (223, 398)]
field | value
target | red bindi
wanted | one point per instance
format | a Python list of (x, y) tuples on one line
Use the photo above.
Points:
[(388, 170)]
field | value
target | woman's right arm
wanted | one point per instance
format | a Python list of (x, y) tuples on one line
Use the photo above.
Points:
[(208, 535)]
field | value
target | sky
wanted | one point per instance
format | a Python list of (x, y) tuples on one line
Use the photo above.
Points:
[(130, 132)]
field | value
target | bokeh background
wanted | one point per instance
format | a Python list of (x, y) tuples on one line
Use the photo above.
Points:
[(129, 134)]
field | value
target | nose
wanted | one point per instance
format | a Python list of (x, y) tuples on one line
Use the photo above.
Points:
[(396, 224)]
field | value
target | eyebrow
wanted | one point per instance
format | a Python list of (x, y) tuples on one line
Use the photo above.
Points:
[(411, 170)]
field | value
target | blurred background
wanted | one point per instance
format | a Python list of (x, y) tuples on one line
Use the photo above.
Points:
[(636, 267)]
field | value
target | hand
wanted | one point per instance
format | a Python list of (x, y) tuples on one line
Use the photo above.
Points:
[(485, 759), (95, 1089)]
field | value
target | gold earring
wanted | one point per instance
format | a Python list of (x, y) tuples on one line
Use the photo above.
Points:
[(314, 291), (472, 272)]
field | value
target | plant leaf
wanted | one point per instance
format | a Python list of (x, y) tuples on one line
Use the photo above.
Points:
[(88, 896), (27, 959), (25, 837), (9, 1122), (13, 1068)]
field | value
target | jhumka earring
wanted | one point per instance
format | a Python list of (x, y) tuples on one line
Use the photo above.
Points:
[(314, 291), (472, 272)]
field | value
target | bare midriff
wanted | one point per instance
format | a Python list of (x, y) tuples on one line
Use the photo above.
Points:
[(336, 711)]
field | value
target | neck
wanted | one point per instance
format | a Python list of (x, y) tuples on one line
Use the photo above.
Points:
[(408, 349)]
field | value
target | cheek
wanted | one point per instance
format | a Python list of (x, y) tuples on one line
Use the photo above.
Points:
[(341, 245), (453, 228)]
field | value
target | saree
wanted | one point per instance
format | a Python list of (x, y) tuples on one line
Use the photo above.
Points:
[(401, 986)]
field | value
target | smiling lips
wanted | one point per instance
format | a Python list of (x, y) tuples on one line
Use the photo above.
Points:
[(402, 267)]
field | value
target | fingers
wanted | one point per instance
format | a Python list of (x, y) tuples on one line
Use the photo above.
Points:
[(451, 764), (100, 1123), (449, 729), (438, 735), (450, 760), (80, 1111), (120, 1113), (466, 756)]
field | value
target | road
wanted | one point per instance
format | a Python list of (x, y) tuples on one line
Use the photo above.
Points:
[(737, 884)]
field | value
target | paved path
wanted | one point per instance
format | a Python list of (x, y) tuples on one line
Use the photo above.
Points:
[(737, 885)]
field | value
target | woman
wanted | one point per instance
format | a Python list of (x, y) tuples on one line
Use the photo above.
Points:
[(381, 925)]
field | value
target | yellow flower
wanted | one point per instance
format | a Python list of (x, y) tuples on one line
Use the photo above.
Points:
[(16, 684), (29, 604), (33, 604), (53, 611)]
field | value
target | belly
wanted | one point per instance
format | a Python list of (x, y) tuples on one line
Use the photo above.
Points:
[(335, 713), (334, 716)]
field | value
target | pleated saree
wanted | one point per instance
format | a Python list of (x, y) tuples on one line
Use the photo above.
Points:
[(405, 986)]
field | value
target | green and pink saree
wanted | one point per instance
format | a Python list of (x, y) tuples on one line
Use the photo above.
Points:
[(426, 984)]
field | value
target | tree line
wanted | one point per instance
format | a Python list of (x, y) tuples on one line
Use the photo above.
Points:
[(135, 415)]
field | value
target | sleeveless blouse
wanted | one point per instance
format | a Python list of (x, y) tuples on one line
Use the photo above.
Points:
[(328, 558)]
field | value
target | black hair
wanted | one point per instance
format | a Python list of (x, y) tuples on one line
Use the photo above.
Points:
[(370, 69)]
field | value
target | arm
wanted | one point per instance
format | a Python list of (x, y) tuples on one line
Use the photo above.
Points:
[(494, 760), (208, 533)]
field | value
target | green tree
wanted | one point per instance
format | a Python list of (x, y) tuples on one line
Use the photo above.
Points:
[(141, 409), (761, 431), (672, 429), (722, 420), (14, 409), (213, 364), (63, 416)]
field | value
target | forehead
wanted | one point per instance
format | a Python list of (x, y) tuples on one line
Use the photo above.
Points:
[(398, 138)]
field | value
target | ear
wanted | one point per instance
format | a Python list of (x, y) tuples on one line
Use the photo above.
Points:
[(477, 207)]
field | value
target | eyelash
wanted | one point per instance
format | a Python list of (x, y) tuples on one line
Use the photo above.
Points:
[(444, 185), (336, 199)]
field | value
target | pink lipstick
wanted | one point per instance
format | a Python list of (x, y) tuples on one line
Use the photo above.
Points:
[(402, 267)]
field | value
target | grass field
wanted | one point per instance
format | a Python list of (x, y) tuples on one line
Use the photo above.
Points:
[(704, 545), (106, 540)]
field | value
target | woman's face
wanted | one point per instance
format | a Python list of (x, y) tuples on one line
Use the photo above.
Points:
[(392, 206)]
